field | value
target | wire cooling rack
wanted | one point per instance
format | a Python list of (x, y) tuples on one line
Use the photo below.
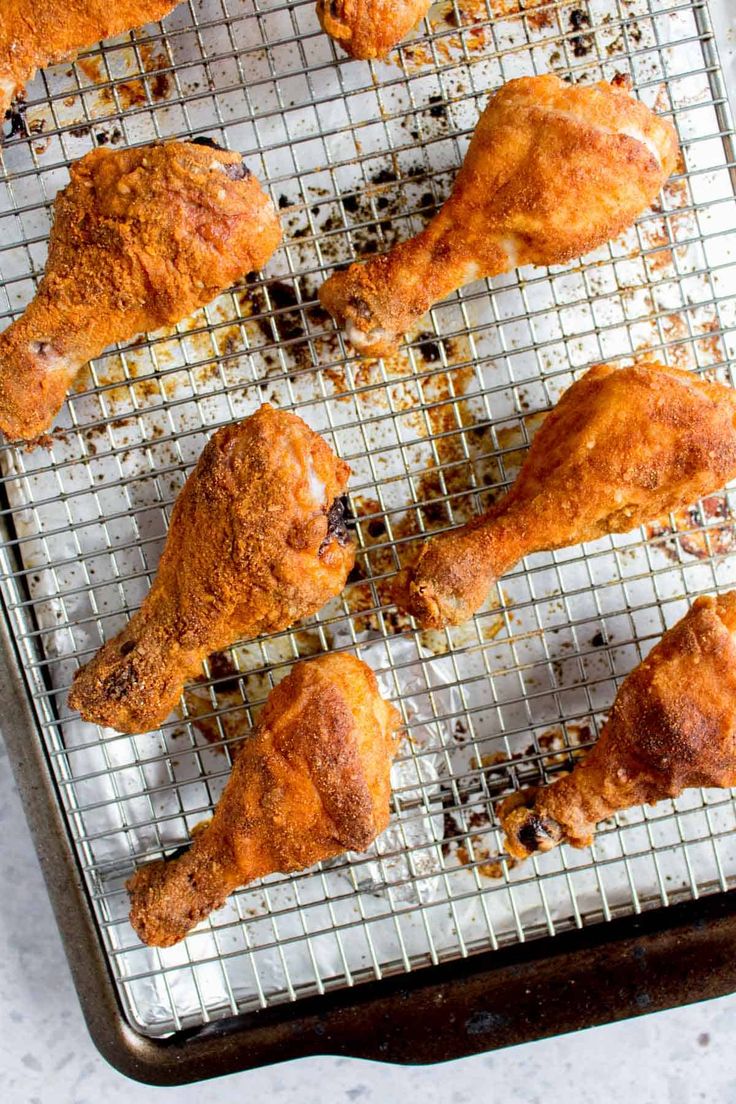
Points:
[(357, 156)]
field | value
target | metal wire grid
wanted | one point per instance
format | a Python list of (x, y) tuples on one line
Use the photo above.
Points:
[(357, 156)]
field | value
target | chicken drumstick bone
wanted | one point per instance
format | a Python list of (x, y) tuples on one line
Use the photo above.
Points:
[(257, 541), (672, 726), (553, 171), (622, 446), (311, 782), (141, 238)]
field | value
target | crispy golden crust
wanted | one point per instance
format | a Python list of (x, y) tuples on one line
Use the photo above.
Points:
[(370, 28), (141, 238), (622, 446), (553, 171), (34, 34), (253, 547), (313, 781), (672, 726)]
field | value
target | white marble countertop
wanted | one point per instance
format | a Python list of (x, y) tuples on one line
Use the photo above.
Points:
[(47, 1057)]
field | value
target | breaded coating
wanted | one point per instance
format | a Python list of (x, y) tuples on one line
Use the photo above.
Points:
[(370, 28), (312, 781), (257, 541), (622, 447), (141, 238), (672, 726), (34, 34), (554, 170)]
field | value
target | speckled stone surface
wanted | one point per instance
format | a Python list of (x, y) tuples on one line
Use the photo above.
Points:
[(47, 1057)]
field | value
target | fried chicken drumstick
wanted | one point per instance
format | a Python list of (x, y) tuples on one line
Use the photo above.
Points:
[(370, 28), (34, 34), (672, 726), (257, 541), (553, 171), (311, 782), (622, 447), (141, 238)]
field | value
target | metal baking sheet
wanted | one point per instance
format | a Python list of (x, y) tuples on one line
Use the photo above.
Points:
[(357, 156)]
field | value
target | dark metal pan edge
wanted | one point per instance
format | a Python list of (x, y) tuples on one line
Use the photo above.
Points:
[(630, 966)]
